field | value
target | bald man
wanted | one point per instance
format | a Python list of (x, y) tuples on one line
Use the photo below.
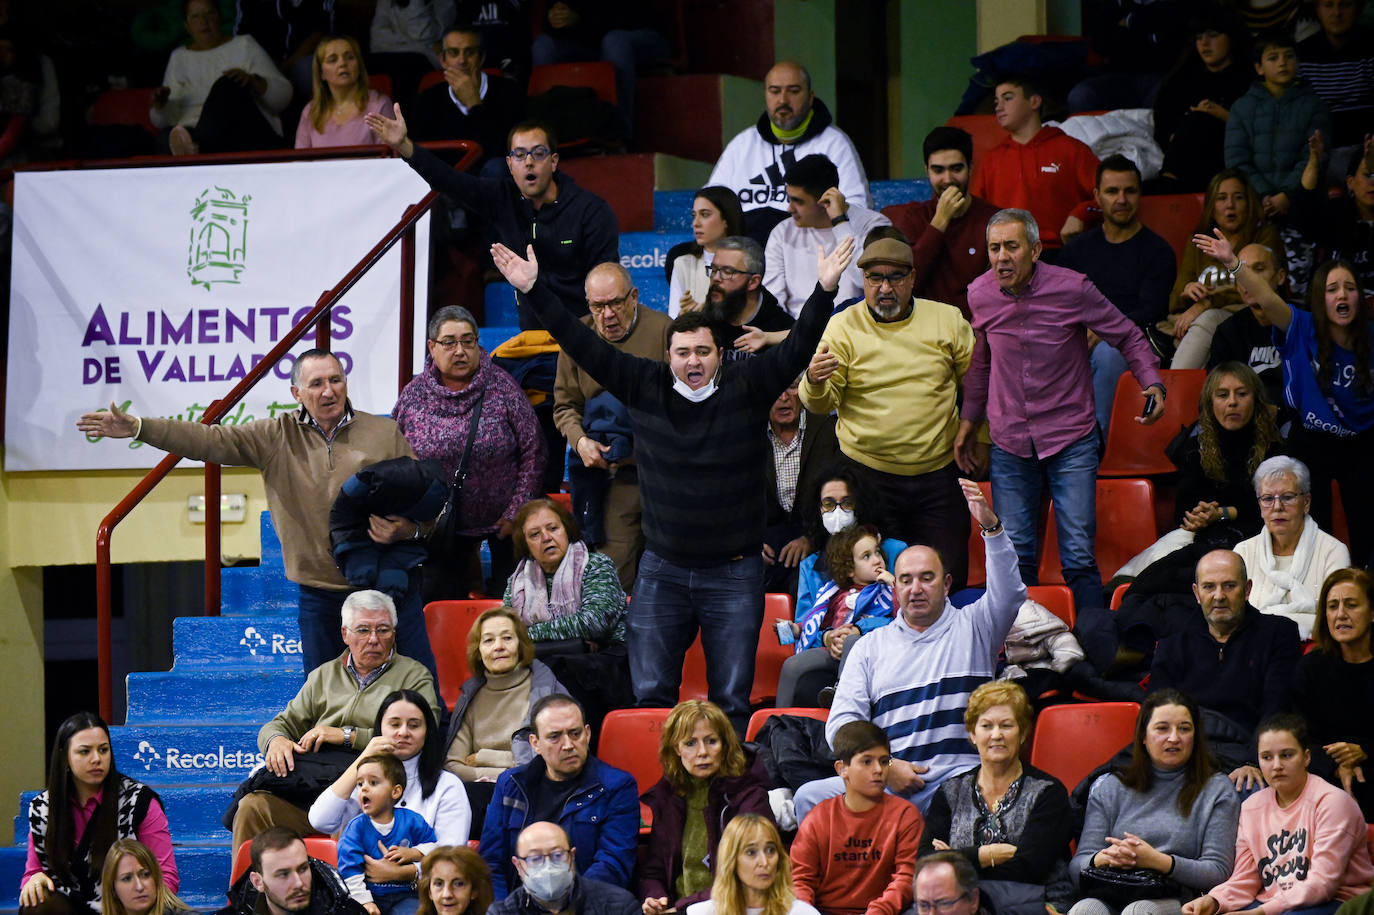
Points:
[(621, 320), (549, 881), (794, 124)]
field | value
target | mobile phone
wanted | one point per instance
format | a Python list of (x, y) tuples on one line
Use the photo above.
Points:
[(784, 630), (1149, 406)]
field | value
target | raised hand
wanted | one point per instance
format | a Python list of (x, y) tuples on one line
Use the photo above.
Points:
[(391, 131), (978, 505), (830, 266), (1216, 245), (520, 272)]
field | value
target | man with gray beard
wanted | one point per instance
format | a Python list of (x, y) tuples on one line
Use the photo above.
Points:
[(747, 315), (890, 368)]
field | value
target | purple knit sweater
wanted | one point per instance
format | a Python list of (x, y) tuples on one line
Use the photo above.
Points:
[(507, 461)]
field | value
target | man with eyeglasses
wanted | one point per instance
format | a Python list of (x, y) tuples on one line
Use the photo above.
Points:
[(745, 314), (596, 804), (946, 883), (305, 457), (468, 104), (890, 369), (335, 708), (572, 229), (550, 883), (820, 216), (618, 318), (1235, 661)]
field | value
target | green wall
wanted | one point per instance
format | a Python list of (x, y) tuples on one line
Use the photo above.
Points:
[(937, 39)]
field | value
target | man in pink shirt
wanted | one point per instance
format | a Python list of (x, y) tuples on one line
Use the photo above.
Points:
[(1030, 378)]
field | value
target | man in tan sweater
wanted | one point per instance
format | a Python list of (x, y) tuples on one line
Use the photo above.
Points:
[(305, 457), (618, 318)]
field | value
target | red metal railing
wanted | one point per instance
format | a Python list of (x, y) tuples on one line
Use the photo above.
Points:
[(403, 232)]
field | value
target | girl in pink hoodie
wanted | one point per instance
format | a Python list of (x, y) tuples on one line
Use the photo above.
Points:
[(1302, 844)]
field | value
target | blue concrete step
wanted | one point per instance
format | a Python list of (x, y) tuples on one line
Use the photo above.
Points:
[(234, 641), (493, 336), (257, 591), (182, 756), (905, 190), (271, 544), (235, 696), (193, 812)]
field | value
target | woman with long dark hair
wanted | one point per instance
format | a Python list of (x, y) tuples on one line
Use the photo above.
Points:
[(88, 804), (1333, 686), (1328, 380), (1169, 811), (406, 728), (716, 214)]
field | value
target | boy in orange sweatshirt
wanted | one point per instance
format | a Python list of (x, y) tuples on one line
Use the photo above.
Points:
[(854, 854)]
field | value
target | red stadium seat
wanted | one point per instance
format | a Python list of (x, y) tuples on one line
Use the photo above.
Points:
[(984, 129), (432, 78), (1125, 526), (1136, 450), (562, 498), (322, 847), (597, 75), (757, 719), (381, 84), (1119, 595), (694, 673), (1058, 599), (448, 622), (770, 654), (1072, 740), (123, 106), (629, 741), (1173, 217), (977, 552)]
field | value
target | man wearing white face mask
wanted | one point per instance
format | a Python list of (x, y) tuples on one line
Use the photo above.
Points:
[(550, 882), (890, 369), (701, 462)]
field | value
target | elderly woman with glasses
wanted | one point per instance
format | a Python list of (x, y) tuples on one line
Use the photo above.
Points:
[(502, 458), (1291, 557)]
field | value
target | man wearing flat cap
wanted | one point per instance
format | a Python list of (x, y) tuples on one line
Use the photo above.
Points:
[(890, 368)]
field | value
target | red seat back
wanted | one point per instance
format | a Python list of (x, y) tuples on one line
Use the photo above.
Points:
[(1173, 217), (448, 622), (1125, 526), (1057, 599), (629, 741), (977, 552), (770, 653), (1137, 450), (596, 75), (123, 106), (322, 847), (757, 719), (1072, 740)]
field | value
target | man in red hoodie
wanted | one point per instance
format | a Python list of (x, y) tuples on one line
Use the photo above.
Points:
[(1036, 168)]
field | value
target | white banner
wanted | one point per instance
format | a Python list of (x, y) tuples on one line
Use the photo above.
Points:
[(161, 287)]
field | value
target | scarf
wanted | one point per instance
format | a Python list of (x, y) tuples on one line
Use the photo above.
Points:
[(1284, 593), (795, 134), (530, 592)]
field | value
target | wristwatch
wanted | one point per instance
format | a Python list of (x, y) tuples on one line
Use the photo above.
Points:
[(843, 217), (1236, 269), (348, 733)]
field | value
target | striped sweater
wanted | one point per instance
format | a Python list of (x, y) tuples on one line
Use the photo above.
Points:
[(701, 465), (915, 685)]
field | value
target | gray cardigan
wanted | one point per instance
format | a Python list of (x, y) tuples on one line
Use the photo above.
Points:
[(542, 683), (1203, 843)]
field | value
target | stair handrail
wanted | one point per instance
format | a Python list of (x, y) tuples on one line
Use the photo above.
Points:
[(404, 232)]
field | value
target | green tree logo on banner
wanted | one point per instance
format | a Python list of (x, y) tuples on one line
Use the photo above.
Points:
[(219, 238)]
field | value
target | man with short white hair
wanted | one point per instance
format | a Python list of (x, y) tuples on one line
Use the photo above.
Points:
[(336, 707), (305, 458), (794, 124)]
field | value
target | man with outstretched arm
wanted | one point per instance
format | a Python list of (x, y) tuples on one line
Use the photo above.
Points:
[(701, 463)]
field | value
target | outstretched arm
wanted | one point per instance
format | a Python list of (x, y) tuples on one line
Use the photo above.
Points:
[(113, 424), (1275, 308), (1006, 592)]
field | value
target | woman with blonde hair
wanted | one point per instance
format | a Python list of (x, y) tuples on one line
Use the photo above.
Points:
[(489, 729), (756, 874), (1011, 821), (708, 780), (454, 880), (334, 115), (131, 882)]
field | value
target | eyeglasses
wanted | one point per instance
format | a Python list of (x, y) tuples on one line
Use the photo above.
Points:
[(538, 154), (728, 273), (608, 304), (448, 344), (367, 632), (943, 906), (829, 505), (558, 857), (892, 279), (1284, 498)]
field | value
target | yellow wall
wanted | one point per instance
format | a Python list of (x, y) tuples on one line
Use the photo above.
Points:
[(1002, 21), (21, 667)]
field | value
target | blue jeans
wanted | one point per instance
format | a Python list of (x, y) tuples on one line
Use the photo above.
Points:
[(397, 903), (322, 640), (1017, 485), (670, 603), (1108, 366)]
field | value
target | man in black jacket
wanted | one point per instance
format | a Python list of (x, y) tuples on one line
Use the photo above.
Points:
[(572, 230), (701, 452), (549, 882), (284, 880)]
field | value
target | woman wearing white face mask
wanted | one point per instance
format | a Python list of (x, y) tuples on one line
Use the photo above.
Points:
[(842, 501)]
